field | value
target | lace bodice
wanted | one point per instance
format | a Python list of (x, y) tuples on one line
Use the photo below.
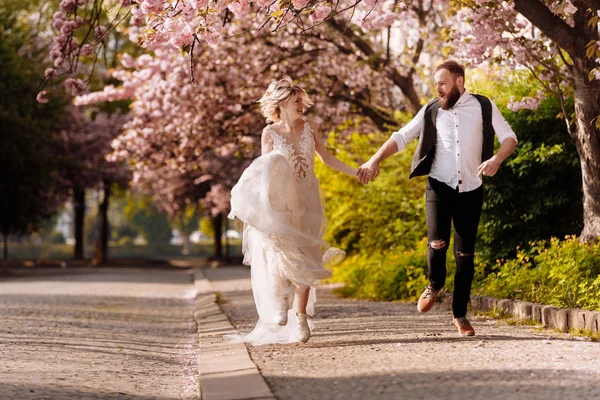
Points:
[(302, 159)]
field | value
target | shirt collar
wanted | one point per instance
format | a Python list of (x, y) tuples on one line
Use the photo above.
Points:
[(463, 98)]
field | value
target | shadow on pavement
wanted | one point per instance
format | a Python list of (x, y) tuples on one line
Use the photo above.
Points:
[(546, 384), (54, 392)]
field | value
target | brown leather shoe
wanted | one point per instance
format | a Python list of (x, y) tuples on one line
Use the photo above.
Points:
[(464, 326), (427, 299)]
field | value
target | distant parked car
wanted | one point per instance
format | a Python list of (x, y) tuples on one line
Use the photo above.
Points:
[(232, 234), (197, 237)]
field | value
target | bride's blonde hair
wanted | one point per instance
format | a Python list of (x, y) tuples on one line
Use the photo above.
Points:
[(278, 93)]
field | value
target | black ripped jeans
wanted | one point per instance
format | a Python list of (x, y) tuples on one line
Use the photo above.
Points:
[(444, 206)]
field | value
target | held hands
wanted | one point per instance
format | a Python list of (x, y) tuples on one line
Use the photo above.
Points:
[(489, 167), (368, 171)]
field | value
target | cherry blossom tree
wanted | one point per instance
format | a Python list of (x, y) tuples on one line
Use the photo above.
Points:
[(28, 163), (558, 42), (362, 31), (86, 139), (188, 143)]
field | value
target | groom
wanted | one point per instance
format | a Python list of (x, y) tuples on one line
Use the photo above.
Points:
[(456, 148)]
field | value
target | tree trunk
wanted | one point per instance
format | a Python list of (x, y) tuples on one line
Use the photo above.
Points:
[(187, 246), (218, 229), (227, 244), (587, 140), (5, 240), (573, 40), (79, 209), (102, 249)]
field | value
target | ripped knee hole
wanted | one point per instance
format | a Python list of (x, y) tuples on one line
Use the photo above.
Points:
[(437, 244), (461, 254)]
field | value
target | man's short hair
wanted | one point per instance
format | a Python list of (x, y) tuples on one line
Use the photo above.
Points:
[(453, 67)]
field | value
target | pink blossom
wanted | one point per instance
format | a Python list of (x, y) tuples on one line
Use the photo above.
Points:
[(320, 13), (76, 86), (182, 38), (87, 49), (42, 97), (99, 31), (199, 4), (569, 8), (149, 6), (526, 103), (67, 28), (240, 8), (67, 6), (58, 23), (127, 61), (300, 4), (78, 22)]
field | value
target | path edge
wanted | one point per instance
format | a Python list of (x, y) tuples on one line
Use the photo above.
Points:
[(551, 317), (225, 369)]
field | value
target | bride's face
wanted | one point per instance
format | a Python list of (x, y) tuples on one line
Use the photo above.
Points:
[(293, 107)]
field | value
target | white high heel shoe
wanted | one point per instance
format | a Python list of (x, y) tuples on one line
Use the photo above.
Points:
[(281, 316), (303, 330)]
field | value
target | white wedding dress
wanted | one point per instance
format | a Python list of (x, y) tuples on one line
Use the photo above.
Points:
[(279, 200)]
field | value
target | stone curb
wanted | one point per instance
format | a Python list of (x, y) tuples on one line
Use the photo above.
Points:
[(562, 319), (226, 370)]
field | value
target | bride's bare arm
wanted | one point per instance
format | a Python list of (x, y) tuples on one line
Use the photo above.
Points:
[(266, 142), (329, 159)]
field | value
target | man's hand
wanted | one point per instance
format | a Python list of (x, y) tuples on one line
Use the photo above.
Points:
[(489, 167), (368, 171)]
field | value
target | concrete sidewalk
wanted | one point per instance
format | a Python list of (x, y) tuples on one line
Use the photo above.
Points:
[(98, 333), (126, 333), (381, 350), (226, 370), (152, 333)]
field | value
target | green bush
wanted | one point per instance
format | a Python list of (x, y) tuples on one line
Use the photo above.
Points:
[(537, 193), (125, 241), (395, 275), (381, 225), (387, 213), (560, 273), (57, 237)]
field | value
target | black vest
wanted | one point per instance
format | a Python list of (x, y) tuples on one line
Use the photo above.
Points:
[(423, 159)]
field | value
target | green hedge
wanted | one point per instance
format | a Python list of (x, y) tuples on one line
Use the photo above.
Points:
[(387, 213), (561, 273), (535, 196), (398, 274)]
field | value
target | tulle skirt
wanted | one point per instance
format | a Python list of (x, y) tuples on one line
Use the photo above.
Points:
[(283, 242)]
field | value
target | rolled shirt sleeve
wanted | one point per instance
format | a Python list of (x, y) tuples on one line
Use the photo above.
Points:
[(410, 131), (501, 126)]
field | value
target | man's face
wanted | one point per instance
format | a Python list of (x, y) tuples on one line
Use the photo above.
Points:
[(447, 88)]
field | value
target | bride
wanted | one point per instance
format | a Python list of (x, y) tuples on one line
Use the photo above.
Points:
[(279, 200)]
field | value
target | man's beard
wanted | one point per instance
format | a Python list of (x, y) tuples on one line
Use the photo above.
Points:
[(450, 100)]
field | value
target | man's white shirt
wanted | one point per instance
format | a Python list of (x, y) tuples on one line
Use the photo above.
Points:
[(459, 141)]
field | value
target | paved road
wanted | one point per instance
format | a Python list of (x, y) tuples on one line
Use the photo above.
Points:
[(98, 334), (377, 350)]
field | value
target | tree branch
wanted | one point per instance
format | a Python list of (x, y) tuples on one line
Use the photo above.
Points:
[(593, 4), (406, 84), (572, 40)]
